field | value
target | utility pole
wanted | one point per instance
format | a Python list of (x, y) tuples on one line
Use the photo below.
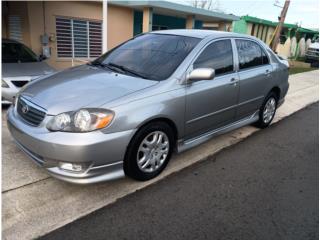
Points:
[(280, 25)]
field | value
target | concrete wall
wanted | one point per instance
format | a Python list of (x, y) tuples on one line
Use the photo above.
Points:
[(36, 22), (240, 26), (265, 32), (120, 25), (38, 17)]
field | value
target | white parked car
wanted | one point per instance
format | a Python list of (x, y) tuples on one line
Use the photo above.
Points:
[(20, 65), (312, 55)]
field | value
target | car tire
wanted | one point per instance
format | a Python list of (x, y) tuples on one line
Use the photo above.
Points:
[(146, 158), (267, 110)]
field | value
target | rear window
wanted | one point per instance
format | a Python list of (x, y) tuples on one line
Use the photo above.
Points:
[(250, 54), (15, 52)]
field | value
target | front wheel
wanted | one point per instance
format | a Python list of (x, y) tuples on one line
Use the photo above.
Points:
[(267, 111), (149, 151)]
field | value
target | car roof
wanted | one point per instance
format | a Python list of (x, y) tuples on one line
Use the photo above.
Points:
[(200, 33), (6, 40)]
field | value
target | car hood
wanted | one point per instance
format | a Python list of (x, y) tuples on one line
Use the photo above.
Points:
[(83, 86), (26, 69)]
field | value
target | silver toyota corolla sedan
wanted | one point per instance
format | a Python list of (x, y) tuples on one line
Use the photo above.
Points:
[(160, 92)]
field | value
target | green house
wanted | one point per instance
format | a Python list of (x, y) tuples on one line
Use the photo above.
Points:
[(264, 29)]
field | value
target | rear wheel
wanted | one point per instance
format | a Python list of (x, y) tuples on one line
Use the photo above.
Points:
[(149, 151), (267, 111)]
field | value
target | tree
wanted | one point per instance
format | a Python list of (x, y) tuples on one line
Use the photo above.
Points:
[(207, 4)]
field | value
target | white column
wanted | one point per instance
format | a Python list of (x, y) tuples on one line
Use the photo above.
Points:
[(104, 26)]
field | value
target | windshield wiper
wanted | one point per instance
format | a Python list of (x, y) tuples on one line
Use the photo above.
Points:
[(117, 68), (94, 63), (125, 69), (99, 64)]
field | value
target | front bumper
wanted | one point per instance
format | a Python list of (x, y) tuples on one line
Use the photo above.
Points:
[(312, 58), (101, 153)]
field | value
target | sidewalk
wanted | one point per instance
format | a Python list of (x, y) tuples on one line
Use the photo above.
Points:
[(34, 203)]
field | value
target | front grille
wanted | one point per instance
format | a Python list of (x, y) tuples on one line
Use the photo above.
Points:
[(19, 83), (29, 112), (312, 53)]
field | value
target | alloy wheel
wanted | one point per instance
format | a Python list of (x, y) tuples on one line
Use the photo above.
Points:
[(269, 110), (153, 151)]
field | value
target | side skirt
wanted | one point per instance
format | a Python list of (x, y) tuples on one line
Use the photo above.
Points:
[(185, 145)]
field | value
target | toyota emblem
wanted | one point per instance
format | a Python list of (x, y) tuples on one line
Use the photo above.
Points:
[(25, 109)]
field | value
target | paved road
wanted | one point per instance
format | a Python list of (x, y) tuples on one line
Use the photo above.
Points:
[(265, 187)]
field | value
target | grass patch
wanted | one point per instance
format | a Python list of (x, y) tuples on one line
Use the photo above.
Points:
[(295, 70)]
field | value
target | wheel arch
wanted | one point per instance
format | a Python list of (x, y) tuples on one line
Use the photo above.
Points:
[(164, 119), (277, 91)]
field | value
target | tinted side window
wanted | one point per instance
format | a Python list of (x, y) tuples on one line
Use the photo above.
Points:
[(217, 55), (10, 53), (265, 59), (250, 54), (14, 52)]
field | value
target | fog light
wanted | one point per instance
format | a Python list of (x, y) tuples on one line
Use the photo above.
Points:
[(75, 167)]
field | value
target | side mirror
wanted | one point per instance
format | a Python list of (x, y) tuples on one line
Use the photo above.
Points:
[(199, 74), (42, 57)]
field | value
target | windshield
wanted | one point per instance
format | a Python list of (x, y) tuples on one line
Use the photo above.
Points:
[(16, 52), (151, 56)]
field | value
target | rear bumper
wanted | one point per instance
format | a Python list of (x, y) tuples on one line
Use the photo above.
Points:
[(101, 154)]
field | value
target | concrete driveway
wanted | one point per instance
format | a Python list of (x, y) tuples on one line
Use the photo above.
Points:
[(34, 203)]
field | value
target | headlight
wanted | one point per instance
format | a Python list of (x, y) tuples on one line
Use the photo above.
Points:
[(4, 84), (84, 120), (60, 122)]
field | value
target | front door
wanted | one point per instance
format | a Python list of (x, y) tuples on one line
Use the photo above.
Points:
[(211, 104)]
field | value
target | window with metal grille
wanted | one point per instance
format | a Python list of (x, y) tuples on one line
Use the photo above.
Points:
[(15, 28), (78, 38)]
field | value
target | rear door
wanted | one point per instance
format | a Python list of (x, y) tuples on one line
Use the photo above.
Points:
[(255, 74), (211, 104)]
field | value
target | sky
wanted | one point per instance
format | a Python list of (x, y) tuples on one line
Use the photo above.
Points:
[(303, 12)]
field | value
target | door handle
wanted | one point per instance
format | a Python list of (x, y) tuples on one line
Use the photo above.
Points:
[(267, 72), (233, 81)]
